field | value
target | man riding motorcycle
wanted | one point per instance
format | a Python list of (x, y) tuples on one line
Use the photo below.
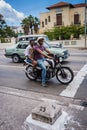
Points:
[(40, 56), (48, 68)]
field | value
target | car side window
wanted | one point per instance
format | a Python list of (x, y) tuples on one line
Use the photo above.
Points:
[(22, 46), (26, 38), (19, 46)]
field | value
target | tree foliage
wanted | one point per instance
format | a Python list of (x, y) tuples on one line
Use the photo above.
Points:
[(2, 22), (29, 24), (65, 32), (5, 31)]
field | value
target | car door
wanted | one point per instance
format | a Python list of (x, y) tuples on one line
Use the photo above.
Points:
[(20, 49)]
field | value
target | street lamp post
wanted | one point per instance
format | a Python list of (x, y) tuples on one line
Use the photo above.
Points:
[(85, 23)]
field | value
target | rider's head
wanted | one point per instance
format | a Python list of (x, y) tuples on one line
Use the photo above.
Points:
[(40, 40), (32, 42)]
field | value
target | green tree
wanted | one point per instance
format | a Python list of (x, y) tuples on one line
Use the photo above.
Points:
[(56, 33), (50, 34), (9, 32), (25, 25), (29, 23), (5, 31), (65, 32), (2, 21), (36, 24), (2, 33)]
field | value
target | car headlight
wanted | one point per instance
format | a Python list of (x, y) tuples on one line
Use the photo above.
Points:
[(62, 53)]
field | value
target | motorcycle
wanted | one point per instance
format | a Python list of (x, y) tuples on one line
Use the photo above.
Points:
[(54, 68)]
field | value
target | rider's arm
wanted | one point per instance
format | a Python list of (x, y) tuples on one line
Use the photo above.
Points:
[(30, 58), (42, 53), (47, 50), (51, 55)]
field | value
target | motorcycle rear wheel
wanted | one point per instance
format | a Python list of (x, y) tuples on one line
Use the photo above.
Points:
[(29, 73), (64, 75)]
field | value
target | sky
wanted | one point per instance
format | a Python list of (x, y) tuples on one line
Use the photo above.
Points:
[(16, 10)]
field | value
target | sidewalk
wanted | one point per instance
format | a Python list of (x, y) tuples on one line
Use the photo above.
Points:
[(4, 45), (16, 106)]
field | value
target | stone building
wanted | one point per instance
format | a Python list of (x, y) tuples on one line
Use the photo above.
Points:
[(63, 14)]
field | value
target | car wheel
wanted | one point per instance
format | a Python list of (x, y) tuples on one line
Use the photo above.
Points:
[(15, 58)]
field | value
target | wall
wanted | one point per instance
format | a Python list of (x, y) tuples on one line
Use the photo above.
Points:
[(70, 43)]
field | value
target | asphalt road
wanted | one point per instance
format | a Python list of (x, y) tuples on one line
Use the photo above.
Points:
[(18, 95), (12, 75)]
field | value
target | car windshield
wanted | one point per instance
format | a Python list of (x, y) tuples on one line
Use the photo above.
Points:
[(46, 44), (23, 42), (30, 37), (46, 38)]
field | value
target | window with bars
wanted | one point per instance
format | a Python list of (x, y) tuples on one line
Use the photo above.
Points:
[(49, 19), (59, 19), (42, 24), (76, 19), (45, 21)]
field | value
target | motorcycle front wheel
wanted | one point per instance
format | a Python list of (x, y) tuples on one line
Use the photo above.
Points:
[(64, 75), (29, 73)]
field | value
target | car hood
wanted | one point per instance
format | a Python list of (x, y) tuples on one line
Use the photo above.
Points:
[(57, 50), (11, 47)]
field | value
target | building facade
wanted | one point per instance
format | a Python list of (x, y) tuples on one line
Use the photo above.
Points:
[(63, 14)]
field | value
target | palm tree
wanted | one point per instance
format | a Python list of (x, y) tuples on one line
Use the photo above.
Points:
[(29, 24), (25, 25), (36, 24)]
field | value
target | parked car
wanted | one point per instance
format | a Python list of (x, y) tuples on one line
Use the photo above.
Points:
[(16, 52)]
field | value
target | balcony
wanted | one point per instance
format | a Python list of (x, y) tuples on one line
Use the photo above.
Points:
[(77, 22), (58, 24)]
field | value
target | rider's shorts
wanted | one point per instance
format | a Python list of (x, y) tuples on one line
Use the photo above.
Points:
[(29, 60)]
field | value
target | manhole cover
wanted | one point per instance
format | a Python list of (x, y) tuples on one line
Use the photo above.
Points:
[(84, 104)]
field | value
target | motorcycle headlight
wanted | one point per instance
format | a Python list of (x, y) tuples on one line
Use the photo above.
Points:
[(60, 59)]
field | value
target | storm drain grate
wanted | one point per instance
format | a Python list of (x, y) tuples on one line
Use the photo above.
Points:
[(84, 104)]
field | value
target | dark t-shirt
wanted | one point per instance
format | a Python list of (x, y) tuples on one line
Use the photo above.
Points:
[(37, 55)]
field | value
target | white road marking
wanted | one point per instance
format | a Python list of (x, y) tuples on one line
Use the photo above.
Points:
[(78, 107), (78, 53), (72, 88)]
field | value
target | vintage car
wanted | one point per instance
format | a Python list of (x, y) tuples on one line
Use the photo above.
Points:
[(16, 52)]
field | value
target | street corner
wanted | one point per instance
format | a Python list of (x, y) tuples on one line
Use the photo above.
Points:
[(72, 117), (77, 117)]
